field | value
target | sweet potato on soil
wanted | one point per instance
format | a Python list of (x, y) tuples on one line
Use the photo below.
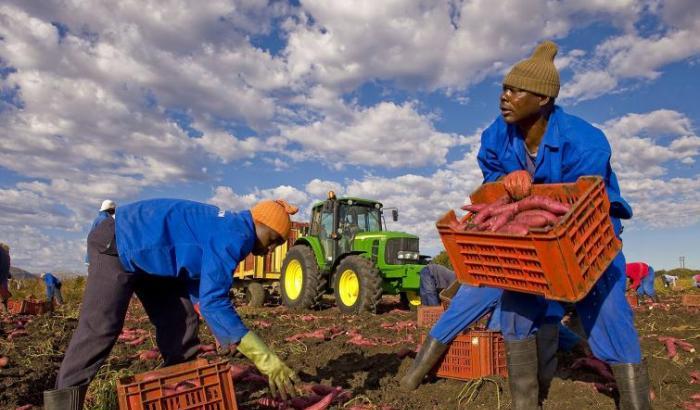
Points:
[(598, 366), (4, 361)]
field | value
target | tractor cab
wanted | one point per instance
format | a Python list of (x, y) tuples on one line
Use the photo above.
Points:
[(337, 221)]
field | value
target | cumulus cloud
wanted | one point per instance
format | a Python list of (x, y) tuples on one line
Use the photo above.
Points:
[(653, 154), (386, 135), (634, 56), (430, 45)]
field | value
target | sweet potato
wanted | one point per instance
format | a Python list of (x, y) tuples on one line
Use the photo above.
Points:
[(238, 371), (550, 217), (136, 341), (596, 365), (474, 208), (543, 202), (149, 355), (695, 377), (487, 211), (531, 220), (514, 228), (4, 361), (324, 402)]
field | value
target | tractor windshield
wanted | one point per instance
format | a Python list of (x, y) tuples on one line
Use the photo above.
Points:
[(359, 218)]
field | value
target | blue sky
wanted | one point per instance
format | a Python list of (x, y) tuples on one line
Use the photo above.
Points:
[(230, 102)]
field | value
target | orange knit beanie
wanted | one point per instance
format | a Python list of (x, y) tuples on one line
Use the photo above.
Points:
[(275, 215)]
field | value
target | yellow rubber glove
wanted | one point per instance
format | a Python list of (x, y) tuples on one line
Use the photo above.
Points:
[(281, 377)]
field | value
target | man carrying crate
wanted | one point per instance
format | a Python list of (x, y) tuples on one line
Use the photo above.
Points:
[(171, 253), (535, 141)]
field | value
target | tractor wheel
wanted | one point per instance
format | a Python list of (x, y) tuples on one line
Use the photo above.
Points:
[(410, 300), (301, 284), (358, 286), (255, 294)]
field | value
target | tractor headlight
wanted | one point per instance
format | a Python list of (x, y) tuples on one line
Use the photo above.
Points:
[(407, 255)]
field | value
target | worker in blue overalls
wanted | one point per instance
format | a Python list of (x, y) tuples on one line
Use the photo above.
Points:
[(53, 288), (107, 210), (468, 305), (171, 253), (535, 141)]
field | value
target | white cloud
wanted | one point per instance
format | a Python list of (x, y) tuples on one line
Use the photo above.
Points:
[(385, 135), (430, 45), (647, 148), (633, 56)]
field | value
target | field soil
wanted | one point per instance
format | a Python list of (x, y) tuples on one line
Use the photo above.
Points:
[(364, 355)]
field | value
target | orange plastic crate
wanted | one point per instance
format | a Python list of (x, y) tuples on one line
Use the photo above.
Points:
[(691, 300), (214, 388), (474, 354), (429, 315), (35, 307), (562, 263), (15, 306), (28, 307)]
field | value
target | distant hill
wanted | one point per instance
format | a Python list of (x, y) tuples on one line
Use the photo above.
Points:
[(19, 273)]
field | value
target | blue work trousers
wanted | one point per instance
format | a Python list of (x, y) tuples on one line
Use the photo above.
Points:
[(646, 286), (470, 304), (605, 314)]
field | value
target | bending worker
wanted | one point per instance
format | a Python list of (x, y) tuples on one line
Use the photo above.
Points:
[(4, 276), (468, 305), (434, 278), (53, 288), (107, 209), (641, 278), (171, 253), (534, 141)]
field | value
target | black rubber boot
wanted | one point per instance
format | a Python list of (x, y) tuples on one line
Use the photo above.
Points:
[(70, 398), (521, 357), (427, 357), (633, 384), (547, 346)]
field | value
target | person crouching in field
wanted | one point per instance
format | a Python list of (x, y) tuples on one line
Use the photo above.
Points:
[(641, 277), (171, 253)]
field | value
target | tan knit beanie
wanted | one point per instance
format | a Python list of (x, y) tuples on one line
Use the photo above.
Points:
[(536, 74), (275, 215)]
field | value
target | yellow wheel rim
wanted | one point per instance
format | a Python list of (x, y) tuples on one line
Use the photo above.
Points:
[(349, 287), (413, 298), (293, 279)]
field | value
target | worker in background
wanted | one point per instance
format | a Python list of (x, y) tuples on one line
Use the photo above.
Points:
[(4, 276), (467, 305), (641, 277), (534, 141), (669, 280), (171, 253), (696, 281), (107, 210), (53, 288), (434, 278)]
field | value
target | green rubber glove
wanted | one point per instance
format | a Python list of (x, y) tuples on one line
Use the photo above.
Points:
[(281, 377)]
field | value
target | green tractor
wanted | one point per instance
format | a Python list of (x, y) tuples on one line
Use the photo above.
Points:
[(346, 251)]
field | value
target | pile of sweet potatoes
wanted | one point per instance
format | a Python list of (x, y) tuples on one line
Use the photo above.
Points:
[(506, 215)]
